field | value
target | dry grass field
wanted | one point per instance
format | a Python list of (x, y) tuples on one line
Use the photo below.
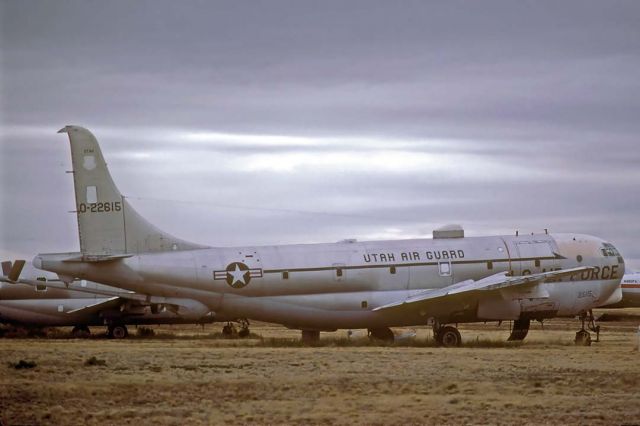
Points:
[(189, 375)]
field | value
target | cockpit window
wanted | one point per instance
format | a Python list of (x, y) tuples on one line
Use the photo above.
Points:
[(609, 250)]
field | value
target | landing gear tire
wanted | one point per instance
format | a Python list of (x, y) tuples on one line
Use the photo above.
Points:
[(310, 336), (448, 336), (383, 334), (244, 329), (80, 332), (583, 338), (228, 330), (118, 331)]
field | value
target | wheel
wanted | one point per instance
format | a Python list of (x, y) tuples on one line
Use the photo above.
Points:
[(118, 331), (385, 334), (583, 338), (80, 332), (449, 337), (228, 330), (244, 332)]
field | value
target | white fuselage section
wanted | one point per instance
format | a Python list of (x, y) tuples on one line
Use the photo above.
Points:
[(331, 286)]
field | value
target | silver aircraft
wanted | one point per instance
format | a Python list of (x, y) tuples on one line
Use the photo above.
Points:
[(375, 285), (43, 301)]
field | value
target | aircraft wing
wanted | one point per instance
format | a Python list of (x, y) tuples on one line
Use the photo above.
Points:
[(124, 294), (492, 283), (103, 304)]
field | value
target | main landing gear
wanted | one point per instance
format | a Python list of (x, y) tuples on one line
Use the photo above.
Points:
[(446, 335), (229, 329), (81, 332), (117, 331), (583, 337)]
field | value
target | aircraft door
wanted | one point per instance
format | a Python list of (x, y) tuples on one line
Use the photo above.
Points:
[(536, 256)]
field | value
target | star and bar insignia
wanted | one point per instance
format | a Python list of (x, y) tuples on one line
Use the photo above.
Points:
[(237, 274)]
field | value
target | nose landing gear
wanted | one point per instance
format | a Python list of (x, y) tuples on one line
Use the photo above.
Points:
[(583, 337)]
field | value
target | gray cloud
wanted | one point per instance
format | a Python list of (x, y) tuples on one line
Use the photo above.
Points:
[(386, 120)]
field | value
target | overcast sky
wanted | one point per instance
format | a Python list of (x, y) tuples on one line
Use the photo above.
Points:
[(231, 123)]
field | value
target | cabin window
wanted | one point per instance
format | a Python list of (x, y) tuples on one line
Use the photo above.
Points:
[(364, 304), (445, 268), (285, 275), (41, 287), (537, 263), (579, 258), (489, 265), (392, 270), (338, 272)]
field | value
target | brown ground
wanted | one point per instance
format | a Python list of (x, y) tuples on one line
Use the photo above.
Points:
[(185, 375)]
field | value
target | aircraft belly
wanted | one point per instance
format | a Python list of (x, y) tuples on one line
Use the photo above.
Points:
[(321, 311)]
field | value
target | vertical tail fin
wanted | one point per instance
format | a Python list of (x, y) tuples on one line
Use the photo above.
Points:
[(107, 223)]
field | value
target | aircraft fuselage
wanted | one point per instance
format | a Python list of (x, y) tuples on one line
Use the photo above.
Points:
[(331, 286)]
